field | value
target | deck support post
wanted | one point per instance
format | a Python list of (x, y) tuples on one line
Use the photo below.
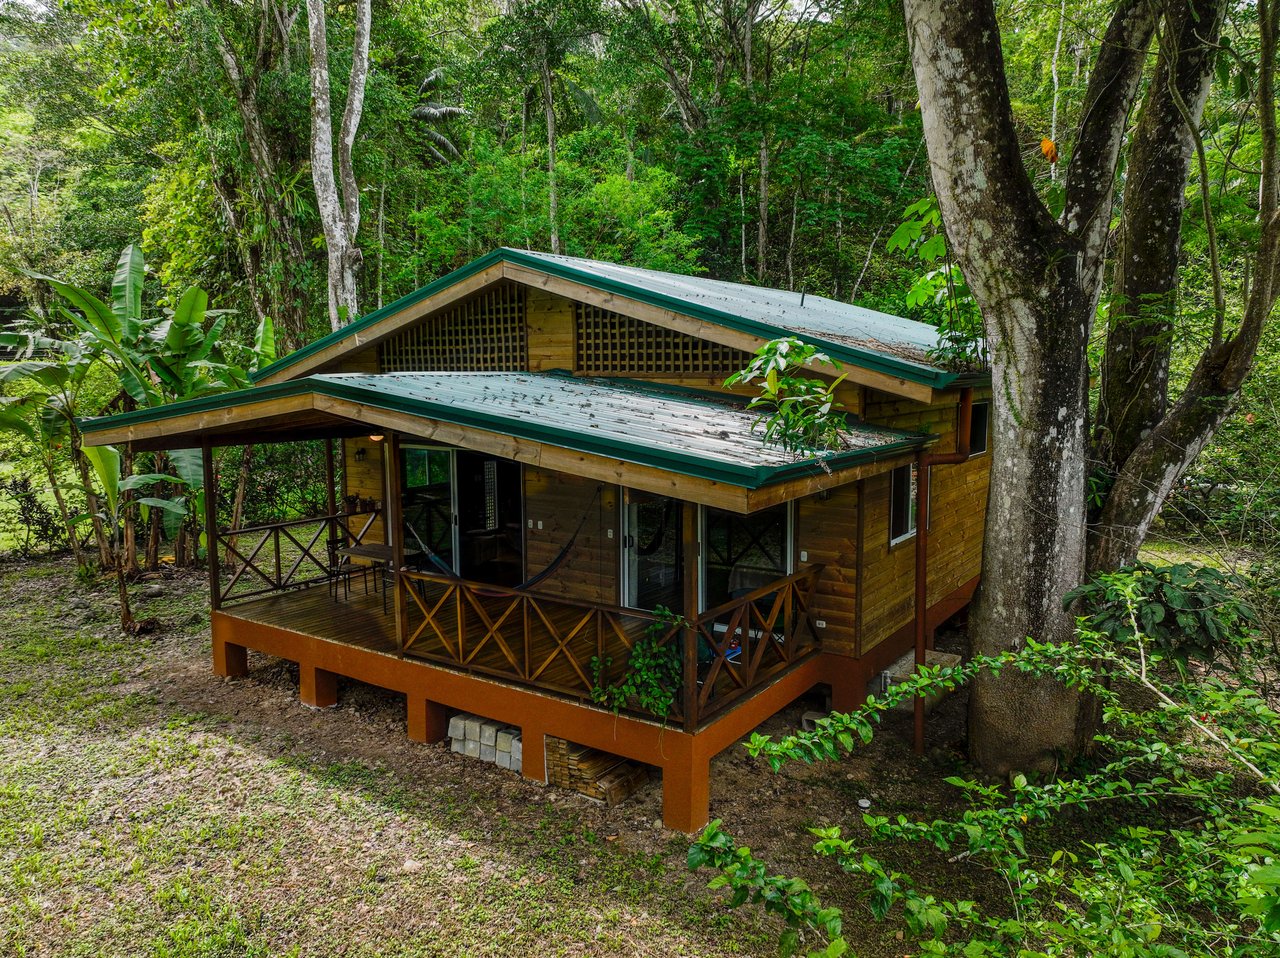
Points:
[(229, 658), (427, 721), (533, 758), (848, 683), (317, 688), (686, 789)]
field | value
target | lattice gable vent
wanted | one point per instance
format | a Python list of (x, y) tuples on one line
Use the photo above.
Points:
[(487, 333), (611, 343)]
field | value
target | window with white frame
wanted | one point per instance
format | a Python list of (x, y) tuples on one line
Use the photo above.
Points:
[(902, 503)]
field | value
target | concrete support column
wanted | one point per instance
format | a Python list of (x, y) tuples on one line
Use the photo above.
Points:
[(317, 688), (228, 658), (686, 791), (428, 721), (534, 753)]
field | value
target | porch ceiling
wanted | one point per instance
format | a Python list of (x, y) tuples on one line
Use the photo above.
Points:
[(693, 445)]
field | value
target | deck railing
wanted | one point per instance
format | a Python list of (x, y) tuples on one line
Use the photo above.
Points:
[(286, 555), (574, 647)]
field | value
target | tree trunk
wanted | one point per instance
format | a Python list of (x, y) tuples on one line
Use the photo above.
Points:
[(72, 539), (549, 107), (286, 247), (1036, 282), (339, 214), (1134, 394), (92, 504)]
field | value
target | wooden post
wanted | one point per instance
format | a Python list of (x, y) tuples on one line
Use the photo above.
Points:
[(394, 514), (686, 788), (317, 688), (330, 493), (427, 721), (211, 524), (692, 561)]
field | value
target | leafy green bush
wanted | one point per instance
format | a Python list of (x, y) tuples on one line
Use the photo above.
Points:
[(1166, 844), (652, 677), (1186, 612), (800, 413)]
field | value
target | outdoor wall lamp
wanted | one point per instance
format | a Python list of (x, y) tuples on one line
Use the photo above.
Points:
[(376, 438), (361, 452)]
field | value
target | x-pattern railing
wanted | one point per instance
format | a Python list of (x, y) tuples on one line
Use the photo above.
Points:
[(549, 641), (297, 552)]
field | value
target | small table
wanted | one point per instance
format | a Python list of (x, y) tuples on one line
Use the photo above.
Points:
[(375, 552), (378, 553)]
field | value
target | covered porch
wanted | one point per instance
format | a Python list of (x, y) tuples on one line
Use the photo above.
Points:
[(531, 533)]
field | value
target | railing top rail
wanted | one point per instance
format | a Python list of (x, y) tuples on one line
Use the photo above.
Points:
[(502, 591), (289, 523), (808, 572)]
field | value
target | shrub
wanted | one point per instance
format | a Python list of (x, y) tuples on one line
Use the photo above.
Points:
[(1185, 612)]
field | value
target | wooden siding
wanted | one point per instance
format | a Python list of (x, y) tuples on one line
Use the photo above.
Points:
[(550, 333), (827, 533), (559, 501), (958, 504), (365, 479), (362, 361)]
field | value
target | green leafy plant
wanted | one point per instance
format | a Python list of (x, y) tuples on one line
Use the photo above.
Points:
[(1185, 612), (1167, 843), (940, 295), (652, 677), (799, 413)]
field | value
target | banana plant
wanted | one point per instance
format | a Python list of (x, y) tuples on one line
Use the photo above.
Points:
[(45, 413), (158, 359), (107, 462)]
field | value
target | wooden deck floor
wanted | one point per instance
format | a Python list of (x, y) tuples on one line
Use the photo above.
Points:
[(357, 619)]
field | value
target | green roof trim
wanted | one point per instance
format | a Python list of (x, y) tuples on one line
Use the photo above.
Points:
[(594, 275), (675, 429)]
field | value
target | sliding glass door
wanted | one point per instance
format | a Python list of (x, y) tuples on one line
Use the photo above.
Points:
[(653, 552), (463, 510)]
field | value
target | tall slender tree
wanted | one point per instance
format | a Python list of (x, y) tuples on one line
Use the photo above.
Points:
[(339, 211)]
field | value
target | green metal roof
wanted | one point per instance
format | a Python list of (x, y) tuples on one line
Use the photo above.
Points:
[(849, 334), (709, 436)]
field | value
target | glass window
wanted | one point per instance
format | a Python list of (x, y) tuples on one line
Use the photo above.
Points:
[(902, 503), (979, 428), (743, 553), (428, 499)]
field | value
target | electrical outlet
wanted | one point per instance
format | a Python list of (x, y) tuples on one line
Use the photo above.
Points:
[(821, 623), (804, 556), (610, 533), (539, 524), (530, 523)]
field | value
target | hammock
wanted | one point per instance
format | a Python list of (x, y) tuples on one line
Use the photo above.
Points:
[(551, 568)]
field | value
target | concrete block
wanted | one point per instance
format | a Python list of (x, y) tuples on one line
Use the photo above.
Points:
[(517, 752), (489, 733), (473, 728), (456, 744), (487, 752), (458, 726), (505, 737), (504, 759), (471, 748), (515, 763)]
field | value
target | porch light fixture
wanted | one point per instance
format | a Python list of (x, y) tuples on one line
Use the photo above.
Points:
[(361, 452), (376, 438)]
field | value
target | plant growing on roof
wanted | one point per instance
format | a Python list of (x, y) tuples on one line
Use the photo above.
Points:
[(798, 413), (652, 676)]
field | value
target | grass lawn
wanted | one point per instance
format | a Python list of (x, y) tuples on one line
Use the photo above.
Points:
[(148, 807)]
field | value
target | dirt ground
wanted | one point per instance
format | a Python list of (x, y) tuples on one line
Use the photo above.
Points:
[(148, 807)]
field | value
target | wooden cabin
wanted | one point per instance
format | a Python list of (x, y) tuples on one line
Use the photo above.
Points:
[(532, 456)]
